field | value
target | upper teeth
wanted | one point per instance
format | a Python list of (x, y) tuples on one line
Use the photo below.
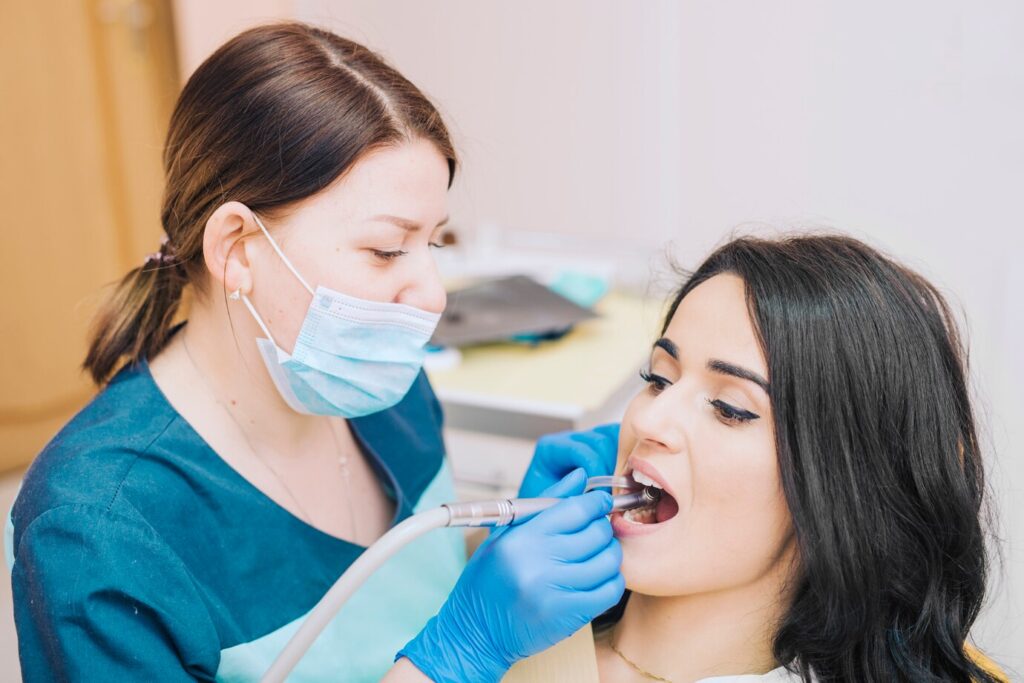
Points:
[(644, 480)]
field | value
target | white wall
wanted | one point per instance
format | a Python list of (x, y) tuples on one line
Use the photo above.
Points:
[(201, 26), (644, 123)]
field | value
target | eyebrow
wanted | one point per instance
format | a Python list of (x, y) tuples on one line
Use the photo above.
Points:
[(405, 223), (721, 367), (714, 365), (668, 346)]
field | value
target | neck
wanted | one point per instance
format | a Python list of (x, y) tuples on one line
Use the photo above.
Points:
[(690, 637), (220, 341)]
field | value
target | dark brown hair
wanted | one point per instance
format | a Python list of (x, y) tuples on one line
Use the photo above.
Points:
[(274, 116)]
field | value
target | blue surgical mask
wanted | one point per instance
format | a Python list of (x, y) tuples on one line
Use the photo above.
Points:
[(352, 357)]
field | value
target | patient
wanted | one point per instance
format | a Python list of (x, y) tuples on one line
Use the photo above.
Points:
[(807, 418)]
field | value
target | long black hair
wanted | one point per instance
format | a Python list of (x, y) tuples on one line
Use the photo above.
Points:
[(878, 454)]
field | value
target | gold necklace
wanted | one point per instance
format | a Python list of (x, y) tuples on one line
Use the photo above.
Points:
[(636, 667), (342, 457)]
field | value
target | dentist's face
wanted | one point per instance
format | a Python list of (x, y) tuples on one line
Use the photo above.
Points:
[(703, 430), (369, 235)]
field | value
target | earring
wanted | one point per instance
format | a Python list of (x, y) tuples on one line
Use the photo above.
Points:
[(235, 295)]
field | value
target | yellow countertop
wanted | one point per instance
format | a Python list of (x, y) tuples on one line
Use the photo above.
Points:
[(581, 370)]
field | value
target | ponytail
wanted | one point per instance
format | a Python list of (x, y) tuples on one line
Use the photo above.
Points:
[(135, 322)]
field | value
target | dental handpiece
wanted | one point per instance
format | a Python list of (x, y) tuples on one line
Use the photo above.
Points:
[(495, 513)]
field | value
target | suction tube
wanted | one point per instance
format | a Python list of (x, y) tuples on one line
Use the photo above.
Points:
[(469, 514)]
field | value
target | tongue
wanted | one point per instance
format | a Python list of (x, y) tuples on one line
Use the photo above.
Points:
[(667, 508)]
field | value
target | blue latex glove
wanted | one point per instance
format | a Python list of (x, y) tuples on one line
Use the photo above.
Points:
[(525, 589), (558, 454)]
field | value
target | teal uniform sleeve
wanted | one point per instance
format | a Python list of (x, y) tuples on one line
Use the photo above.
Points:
[(100, 597)]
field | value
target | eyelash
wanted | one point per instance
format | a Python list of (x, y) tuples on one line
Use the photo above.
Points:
[(657, 382), (731, 414), (392, 255), (389, 255), (727, 413)]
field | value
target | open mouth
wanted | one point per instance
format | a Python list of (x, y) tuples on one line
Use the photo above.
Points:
[(662, 509)]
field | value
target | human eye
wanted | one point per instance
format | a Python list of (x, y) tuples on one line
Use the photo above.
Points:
[(656, 383), (730, 414), (387, 256)]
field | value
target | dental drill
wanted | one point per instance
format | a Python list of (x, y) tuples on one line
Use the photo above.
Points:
[(486, 513)]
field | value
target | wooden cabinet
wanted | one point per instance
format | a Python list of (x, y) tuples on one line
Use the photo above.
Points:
[(86, 90)]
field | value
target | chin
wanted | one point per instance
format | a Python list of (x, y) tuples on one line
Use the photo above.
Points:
[(644, 574)]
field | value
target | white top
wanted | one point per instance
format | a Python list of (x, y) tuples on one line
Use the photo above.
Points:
[(780, 675)]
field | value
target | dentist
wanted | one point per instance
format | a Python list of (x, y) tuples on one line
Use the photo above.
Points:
[(245, 448)]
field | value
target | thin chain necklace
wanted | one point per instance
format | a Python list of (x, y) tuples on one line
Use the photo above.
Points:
[(342, 456), (345, 474), (636, 667)]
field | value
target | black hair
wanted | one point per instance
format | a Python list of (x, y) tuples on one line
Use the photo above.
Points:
[(878, 455)]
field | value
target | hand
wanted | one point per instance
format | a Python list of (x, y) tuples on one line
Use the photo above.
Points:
[(557, 455), (525, 589)]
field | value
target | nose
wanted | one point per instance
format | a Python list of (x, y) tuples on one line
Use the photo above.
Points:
[(660, 424), (424, 289)]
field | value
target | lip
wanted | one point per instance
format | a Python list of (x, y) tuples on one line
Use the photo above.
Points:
[(638, 465), (624, 528)]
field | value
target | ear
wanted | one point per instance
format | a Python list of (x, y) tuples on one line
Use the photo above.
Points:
[(224, 246)]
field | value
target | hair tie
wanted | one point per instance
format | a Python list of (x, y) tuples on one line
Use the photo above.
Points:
[(162, 255)]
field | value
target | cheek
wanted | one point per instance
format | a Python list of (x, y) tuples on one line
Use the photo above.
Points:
[(279, 298), (285, 303), (360, 274), (739, 514)]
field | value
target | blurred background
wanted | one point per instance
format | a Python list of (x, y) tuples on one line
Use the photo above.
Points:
[(600, 140)]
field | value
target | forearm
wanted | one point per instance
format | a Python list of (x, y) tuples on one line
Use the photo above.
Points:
[(404, 671)]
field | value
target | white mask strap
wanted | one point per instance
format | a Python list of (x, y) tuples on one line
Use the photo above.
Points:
[(259, 320), (284, 258)]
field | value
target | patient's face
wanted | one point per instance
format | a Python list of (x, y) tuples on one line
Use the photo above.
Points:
[(706, 435)]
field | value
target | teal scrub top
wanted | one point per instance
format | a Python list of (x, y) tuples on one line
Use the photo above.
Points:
[(137, 553)]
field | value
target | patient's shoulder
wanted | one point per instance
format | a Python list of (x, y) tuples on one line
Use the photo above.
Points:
[(573, 660)]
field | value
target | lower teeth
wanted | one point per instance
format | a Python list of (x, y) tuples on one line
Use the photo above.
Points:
[(644, 515)]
